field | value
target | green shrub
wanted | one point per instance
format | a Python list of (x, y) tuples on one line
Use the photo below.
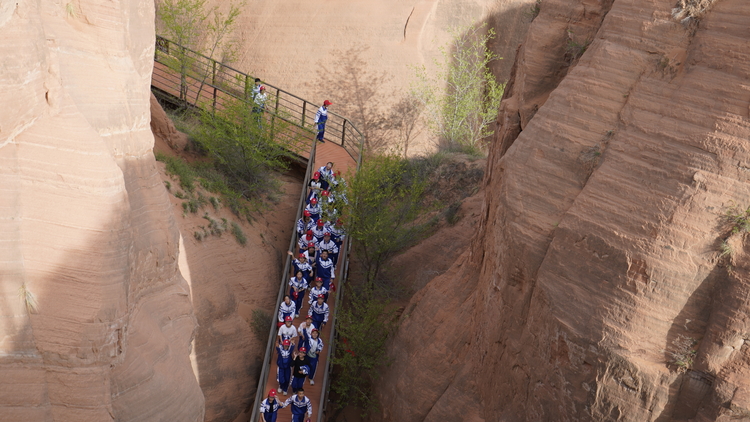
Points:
[(238, 233)]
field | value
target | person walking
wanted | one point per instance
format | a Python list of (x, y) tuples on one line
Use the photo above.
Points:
[(302, 264), (305, 223), (314, 345), (305, 241), (300, 369), (320, 120), (325, 269), (286, 309), (304, 330), (270, 406), (314, 209), (318, 230), (300, 405), (317, 291), (284, 365), (313, 188), (297, 288), (319, 313), (287, 331), (329, 245), (256, 88), (326, 173), (259, 105)]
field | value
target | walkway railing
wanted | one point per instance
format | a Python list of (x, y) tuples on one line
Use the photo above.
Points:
[(195, 80), (188, 78)]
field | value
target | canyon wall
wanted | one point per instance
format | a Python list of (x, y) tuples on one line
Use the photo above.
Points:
[(97, 320), (360, 55), (597, 267)]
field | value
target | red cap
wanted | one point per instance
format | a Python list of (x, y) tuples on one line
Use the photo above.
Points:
[(327, 103), (272, 393), (321, 297), (327, 234), (309, 231), (307, 213), (316, 175), (302, 255), (286, 342), (326, 193), (318, 279), (309, 237), (314, 329), (314, 201), (288, 318), (302, 349), (310, 245), (262, 88), (321, 223)]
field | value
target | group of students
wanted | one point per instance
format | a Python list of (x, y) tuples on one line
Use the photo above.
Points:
[(320, 240), (260, 97)]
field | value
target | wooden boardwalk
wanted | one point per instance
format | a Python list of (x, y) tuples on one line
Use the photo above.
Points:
[(168, 81)]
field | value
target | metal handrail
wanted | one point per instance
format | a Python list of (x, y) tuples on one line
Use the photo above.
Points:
[(259, 394), (340, 137), (205, 83)]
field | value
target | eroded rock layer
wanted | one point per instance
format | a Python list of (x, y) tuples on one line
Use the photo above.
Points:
[(596, 266), (95, 318)]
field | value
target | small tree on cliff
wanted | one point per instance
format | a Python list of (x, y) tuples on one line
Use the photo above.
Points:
[(461, 115), (193, 25)]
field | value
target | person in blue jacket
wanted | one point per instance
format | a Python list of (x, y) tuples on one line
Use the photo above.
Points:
[(326, 244), (302, 264), (304, 224), (320, 120), (284, 365), (319, 313), (318, 230), (314, 345), (314, 209), (297, 288), (270, 406), (300, 405), (325, 269), (287, 308)]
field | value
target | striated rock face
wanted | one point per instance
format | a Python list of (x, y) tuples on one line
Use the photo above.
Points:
[(597, 253), (96, 320)]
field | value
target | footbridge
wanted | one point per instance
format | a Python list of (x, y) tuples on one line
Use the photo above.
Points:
[(189, 79)]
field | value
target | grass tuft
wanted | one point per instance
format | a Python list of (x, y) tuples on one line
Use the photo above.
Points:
[(239, 234)]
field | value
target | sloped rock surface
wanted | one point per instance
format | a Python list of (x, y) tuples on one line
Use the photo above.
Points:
[(96, 317), (598, 250)]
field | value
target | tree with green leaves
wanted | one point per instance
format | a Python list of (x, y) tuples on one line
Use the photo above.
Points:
[(191, 24), (385, 197), (242, 149), (461, 114)]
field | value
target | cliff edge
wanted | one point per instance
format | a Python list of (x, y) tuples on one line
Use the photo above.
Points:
[(597, 262)]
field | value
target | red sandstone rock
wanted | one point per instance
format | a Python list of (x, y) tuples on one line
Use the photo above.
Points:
[(96, 317), (586, 268)]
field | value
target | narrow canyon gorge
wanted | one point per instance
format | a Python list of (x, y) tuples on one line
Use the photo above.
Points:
[(600, 271)]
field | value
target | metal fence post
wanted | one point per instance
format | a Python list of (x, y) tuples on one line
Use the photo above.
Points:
[(213, 83), (343, 133)]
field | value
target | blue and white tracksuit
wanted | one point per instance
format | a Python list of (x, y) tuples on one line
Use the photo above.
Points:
[(301, 286), (287, 310), (315, 291), (305, 267), (318, 313), (326, 270), (319, 231), (320, 119), (325, 177), (269, 410), (304, 330), (304, 243), (299, 408), (338, 234), (303, 226), (314, 348), (284, 363), (314, 211), (332, 248), (311, 258), (314, 190)]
